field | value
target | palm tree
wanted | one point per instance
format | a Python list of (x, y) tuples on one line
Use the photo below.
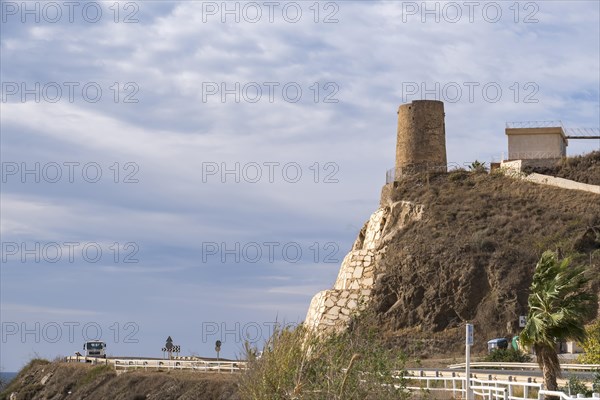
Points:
[(558, 306), (478, 166)]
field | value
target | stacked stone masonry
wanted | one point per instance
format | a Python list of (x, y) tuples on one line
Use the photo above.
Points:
[(331, 310), (421, 138)]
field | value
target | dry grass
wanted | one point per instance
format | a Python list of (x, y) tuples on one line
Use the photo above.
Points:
[(472, 256), (89, 382), (585, 169), (298, 365)]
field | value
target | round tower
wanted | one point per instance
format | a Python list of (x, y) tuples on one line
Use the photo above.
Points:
[(421, 142)]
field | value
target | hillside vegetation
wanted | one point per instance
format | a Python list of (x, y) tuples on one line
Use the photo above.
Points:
[(585, 168), (42, 380), (472, 256)]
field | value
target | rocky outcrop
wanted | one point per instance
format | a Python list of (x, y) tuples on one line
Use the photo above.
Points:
[(444, 249), (42, 380), (472, 255), (330, 310)]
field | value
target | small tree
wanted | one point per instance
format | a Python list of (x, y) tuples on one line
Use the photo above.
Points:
[(478, 166), (591, 345), (508, 355), (576, 386), (558, 306)]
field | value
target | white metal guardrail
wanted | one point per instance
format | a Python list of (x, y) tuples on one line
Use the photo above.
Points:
[(517, 365), (488, 389), (189, 364)]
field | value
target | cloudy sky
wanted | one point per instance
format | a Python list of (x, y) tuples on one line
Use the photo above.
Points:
[(199, 169)]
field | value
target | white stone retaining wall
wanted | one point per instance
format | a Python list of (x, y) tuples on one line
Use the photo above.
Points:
[(514, 168), (562, 183), (330, 310)]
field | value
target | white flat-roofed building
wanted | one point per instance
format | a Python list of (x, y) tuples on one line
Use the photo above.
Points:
[(534, 143)]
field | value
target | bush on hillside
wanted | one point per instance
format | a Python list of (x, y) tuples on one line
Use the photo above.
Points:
[(508, 355), (591, 346), (297, 364)]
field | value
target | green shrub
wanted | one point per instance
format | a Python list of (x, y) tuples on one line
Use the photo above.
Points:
[(591, 346), (576, 386), (297, 364), (508, 355)]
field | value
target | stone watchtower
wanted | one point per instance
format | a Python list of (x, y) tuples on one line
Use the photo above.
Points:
[(421, 147), (421, 142)]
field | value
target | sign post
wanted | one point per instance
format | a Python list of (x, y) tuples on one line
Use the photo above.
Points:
[(468, 344), (218, 349), (169, 346)]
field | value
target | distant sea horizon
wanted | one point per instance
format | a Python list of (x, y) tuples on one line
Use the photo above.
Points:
[(6, 377)]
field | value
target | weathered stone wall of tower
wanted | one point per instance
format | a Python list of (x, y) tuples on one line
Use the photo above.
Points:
[(421, 141)]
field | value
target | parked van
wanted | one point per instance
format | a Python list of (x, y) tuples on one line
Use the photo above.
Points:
[(499, 343)]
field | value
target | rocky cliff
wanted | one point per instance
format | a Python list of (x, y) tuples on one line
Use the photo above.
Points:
[(444, 249), (331, 310)]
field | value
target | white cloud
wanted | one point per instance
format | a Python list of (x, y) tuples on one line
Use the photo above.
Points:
[(17, 309), (370, 53)]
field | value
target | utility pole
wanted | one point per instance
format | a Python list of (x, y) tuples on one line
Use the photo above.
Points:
[(468, 344)]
